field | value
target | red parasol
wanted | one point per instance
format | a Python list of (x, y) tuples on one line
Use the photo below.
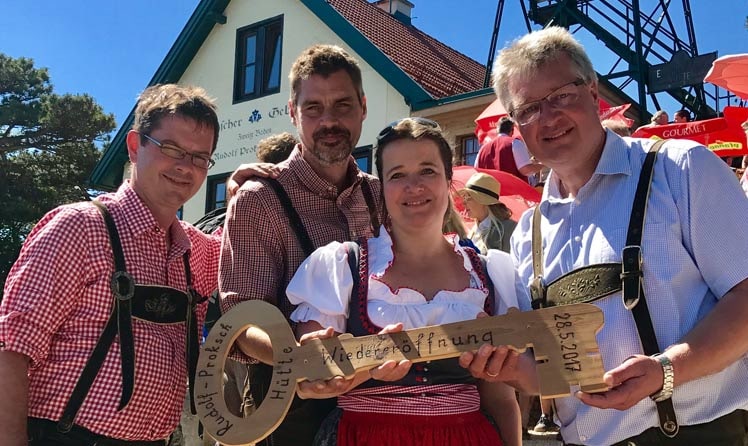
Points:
[(722, 136), (516, 194), (731, 73), (615, 113), (490, 116), (485, 123)]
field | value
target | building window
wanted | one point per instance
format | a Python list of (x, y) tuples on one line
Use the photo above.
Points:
[(363, 158), (216, 192), (257, 70), (469, 148)]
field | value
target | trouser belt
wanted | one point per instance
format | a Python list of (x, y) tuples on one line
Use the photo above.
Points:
[(43, 432), (727, 430)]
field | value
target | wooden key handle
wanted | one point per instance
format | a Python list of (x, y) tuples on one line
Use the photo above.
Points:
[(563, 340), (217, 420)]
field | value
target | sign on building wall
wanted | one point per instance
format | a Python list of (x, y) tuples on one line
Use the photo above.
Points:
[(241, 133)]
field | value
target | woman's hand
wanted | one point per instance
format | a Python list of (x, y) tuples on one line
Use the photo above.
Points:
[(391, 370), (323, 388), (327, 388)]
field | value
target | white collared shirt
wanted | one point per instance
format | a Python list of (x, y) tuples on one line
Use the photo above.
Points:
[(694, 248)]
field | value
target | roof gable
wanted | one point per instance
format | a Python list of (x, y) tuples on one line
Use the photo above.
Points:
[(425, 71)]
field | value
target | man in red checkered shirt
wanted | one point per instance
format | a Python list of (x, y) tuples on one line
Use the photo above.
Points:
[(260, 250), (60, 294)]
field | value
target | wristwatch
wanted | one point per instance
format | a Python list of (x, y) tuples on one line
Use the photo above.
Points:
[(668, 378)]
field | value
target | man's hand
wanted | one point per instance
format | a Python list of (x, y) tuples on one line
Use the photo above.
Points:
[(247, 171), (638, 377), (320, 389)]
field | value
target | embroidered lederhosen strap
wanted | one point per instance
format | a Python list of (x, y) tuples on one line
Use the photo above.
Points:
[(158, 304), (120, 322), (582, 285), (596, 281)]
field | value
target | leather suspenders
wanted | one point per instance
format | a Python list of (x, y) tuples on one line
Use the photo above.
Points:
[(153, 303), (295, 220), (593, 282)]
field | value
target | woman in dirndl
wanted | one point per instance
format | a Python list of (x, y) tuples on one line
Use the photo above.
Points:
[(411, 275)]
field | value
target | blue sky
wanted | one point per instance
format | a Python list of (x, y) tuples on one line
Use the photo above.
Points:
[(110, 49)]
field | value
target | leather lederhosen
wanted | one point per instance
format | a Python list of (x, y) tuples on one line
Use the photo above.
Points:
[(152, 303), (593, 282)]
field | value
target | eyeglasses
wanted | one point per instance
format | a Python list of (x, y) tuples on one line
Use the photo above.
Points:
[(390, 129), (559, 98), (172, 151)]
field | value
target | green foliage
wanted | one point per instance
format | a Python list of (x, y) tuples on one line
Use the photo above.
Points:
[(48, 147)]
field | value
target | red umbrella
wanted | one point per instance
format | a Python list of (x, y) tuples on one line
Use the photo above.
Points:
[(730, 73), (486, 122), (721, 135), (615, 113), (490, 116), (516, 194)]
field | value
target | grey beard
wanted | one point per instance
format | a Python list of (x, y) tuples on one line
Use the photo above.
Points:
[(330, 156)]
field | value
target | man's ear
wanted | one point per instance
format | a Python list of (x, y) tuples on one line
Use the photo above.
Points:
[(363, 106), (292, 112), (133, 144), (594, 92)]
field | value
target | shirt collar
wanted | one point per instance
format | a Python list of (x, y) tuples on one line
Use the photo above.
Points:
[(316, 184), (140, 220), (615, 157), (614, 160)]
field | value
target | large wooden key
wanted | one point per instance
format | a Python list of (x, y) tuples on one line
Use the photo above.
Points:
[(563, 340)]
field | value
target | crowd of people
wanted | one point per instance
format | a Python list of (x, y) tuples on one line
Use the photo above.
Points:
[(99, 324)]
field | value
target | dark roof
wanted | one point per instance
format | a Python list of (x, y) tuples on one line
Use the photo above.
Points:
[(439, 69)]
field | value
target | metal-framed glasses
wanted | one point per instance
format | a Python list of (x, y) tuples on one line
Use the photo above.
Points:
[(390, 129), (560, 98), (172, 151)]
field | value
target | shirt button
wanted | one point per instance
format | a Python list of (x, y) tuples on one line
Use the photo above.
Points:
[(577, 239), (425, 380), (583, 437), (425, 369)]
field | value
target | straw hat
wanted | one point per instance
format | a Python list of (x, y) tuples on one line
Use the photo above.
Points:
[(482, 188)]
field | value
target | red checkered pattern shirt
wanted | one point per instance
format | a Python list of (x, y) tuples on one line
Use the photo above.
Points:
[(260, 251), (58, 300)]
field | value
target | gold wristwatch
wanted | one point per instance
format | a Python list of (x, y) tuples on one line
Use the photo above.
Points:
[(668, 379)]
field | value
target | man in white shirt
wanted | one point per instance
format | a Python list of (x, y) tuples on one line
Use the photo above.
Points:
[(693, 276)]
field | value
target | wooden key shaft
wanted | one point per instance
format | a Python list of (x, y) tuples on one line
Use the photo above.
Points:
[(563, 340)]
